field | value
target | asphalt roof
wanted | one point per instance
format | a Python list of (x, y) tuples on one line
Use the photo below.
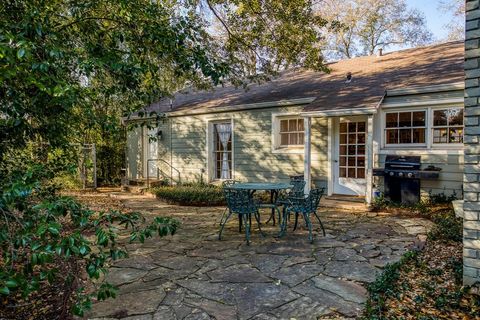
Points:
[(371, 77)]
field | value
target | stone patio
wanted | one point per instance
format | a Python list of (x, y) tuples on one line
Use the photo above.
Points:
[(192, 275)]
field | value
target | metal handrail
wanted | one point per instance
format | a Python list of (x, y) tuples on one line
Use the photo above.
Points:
[(158, 170)]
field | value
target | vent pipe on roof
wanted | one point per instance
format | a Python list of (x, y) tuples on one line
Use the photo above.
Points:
[(171, 103), (380, 52)]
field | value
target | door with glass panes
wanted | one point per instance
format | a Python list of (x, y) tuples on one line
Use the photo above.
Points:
[(349, 168)]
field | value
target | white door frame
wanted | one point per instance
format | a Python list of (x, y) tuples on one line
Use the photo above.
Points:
[(359, 187)]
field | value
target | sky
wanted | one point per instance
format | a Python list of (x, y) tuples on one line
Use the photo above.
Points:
[(435, 17)]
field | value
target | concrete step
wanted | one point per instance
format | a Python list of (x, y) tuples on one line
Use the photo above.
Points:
[(328, 202)]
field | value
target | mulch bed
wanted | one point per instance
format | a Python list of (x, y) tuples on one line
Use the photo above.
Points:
[(430, 286)]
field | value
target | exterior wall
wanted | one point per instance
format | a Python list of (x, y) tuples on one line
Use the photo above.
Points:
[(253, 158), (471, 206), (450, 160)]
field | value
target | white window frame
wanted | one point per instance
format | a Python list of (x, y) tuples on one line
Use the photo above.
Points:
[(276, 139), (428, 145), (404, 145), (210, 122), (432, 127)]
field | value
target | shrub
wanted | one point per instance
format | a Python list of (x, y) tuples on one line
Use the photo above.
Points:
[(40, 232), (447, 227), (191, 195)]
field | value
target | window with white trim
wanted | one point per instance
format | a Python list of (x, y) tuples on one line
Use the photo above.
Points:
[(406, 127), (291, 132), (447, 126), (222, 150)]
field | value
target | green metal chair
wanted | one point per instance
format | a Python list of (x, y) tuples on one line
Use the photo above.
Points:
[(305, 206), (240, 202)]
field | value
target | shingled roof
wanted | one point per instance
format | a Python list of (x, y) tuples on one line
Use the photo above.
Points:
[(371, 77)]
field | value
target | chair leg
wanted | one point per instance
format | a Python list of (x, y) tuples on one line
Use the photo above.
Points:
[(223, 216), (257, 217), (320, 221), (296, 221), (283, 225), (309, 224), (222, 225), (240, 223), (247, 230)]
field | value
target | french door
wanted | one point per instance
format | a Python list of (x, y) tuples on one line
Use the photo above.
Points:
[(349, 168)]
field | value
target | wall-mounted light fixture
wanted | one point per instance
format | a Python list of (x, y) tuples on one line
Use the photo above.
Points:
[(160, 134)]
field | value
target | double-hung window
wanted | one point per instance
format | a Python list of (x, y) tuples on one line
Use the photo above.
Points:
[(222, 150), (405, 127), (291, 132), (447, 125)]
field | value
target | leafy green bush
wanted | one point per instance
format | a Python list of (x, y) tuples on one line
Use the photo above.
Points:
[(191, 195), (447, 227), (39, 230)]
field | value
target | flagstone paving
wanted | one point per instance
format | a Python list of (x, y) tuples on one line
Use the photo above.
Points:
[(192, 275)]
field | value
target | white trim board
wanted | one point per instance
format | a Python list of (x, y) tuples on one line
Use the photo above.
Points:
[(340, 112), (426, 89), (422, 103)]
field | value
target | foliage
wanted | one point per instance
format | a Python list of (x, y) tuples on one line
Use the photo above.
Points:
[(447, 227), (384, 287), (456, 25), (191, 195), (423, 285), (38, 229), (368, 25)]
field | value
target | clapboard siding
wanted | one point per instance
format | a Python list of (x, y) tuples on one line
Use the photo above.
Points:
[(423, 97), (450, 179), (253, 156)]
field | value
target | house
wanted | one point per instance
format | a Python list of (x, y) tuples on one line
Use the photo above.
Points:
[(333, 127)]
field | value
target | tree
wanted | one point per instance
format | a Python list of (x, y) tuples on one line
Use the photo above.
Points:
[(456, 25), (368, 25)]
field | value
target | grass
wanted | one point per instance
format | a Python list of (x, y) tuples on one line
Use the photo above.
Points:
[(199, 195)]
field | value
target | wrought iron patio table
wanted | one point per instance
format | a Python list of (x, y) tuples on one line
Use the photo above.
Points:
[(273, 187)]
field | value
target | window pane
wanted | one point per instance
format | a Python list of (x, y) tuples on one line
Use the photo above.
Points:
[(292, 138), (352, 173), (392, 120), (405, 135), (456, 135), (301, 138), (361, 162), (361, 149), (343, 172), (418, 135), (361, 127), (283, 125), (352, 138), (440, 118), (352, 127), (343, 127), (392, 136), (343, 150), (352, 150), (361, 138), (284, 139), (300, 125), (343, 138), (419, 119), (440, 135), (292, 125), (361, 173), (343, 161), (455, 116), (351, 161), (405, 119)]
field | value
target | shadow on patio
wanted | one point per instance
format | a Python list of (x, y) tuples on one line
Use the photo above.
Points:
[(192, 275)]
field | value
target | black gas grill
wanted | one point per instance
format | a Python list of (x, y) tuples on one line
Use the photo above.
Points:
[(402, 175)]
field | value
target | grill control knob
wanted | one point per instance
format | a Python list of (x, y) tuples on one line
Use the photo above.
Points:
[(392, 174), (400, 174), (410, 175)]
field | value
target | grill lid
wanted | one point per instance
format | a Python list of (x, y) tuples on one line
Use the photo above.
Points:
[(402, 162)]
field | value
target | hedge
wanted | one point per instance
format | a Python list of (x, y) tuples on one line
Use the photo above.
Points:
[(199, 195)]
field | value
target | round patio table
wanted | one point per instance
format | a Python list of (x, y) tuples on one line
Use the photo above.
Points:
[(273, 187)]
